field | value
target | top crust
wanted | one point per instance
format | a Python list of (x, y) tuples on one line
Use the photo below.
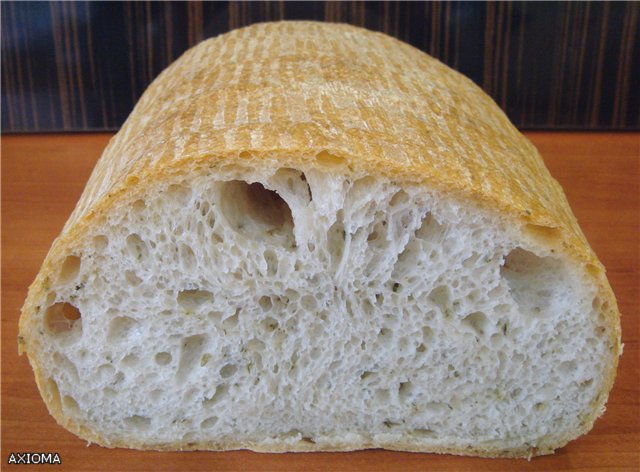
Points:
[(328, 96), (297, 90)]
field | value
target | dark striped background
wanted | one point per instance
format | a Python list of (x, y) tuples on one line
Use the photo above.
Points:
[(82, 65)]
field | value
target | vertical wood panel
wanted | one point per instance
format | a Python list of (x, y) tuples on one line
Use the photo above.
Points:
[(83, 65)]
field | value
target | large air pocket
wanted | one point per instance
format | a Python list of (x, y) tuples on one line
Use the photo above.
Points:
[(256, 212), (534, 282)]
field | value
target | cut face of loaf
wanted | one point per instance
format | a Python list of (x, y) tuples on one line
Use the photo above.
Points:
[(279, 307), (318, 300)]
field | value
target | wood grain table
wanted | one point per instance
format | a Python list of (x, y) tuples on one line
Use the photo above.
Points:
[(43, 175)]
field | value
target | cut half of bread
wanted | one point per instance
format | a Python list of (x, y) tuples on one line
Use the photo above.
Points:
[(311, 237)]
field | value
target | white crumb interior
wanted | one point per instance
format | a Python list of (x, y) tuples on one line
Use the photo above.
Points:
[(306, 307)]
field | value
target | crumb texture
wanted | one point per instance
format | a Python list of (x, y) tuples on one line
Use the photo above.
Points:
[(297, 305)]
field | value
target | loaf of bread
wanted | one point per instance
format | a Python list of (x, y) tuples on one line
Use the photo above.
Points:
[(312, 237)]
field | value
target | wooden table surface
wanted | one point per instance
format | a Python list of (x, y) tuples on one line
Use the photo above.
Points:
[(43, 175)]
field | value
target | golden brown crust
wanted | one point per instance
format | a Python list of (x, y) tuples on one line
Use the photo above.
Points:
[(322, 95)]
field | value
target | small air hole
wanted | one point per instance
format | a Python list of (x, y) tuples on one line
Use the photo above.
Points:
[(404, 390), (139, 205), (231, 321), (209, 422), (477, 321), (265, 303), (545, 234), (129, 360), (203, 207), (271, 259), (336, 238), (431, 230), (71, 404), (62, 317), (219, 394), (427, 333), (366, 374), (137, 247), (228, 371), (193, 299), (190, 355), (308, 303), (70, 269), (132, 278), (441, 297), (187, 258), (100, 242), (54, 394), (326, 158), (399, 198), (204, 360), (138, 422), (295, 183), (163, 358)]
